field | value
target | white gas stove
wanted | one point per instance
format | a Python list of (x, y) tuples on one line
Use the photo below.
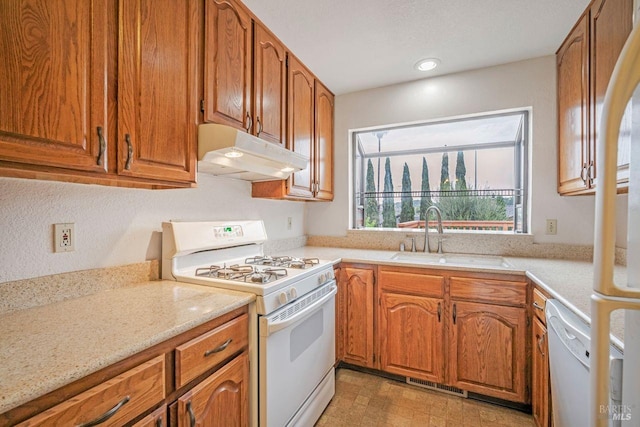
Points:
[(293, 325)]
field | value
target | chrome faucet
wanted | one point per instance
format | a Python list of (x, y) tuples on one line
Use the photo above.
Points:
[(427, 247)]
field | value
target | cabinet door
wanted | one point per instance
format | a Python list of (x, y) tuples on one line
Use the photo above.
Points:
[(323, 153), (157, 90), (540, 375), (573, 107), (301, 124), (53, 102), (270, 81), (611, 23), (227, 64), (356, 287), (410, 333), (220, 400), (487, 349)]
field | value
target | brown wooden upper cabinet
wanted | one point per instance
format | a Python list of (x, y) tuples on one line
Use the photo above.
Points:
[(585, 62), (245, 72), (157, 89), (310, 108), (70, 68), (53, 108)]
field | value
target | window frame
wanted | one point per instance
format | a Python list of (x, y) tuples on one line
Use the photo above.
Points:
[(520, 144)]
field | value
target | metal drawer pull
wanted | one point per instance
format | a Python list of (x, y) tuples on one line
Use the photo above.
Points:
[(127, 164), (110, 413), (439, 311), (192, 416), (538, 306), (454, 314), (540, 341), (103, 145), (219, 348)]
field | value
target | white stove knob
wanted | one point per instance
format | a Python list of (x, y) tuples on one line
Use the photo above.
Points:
[(322, 278), (293, 293), (283, 298)]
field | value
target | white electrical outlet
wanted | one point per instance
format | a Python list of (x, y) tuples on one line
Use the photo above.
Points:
[(552, 226), (289, 221), (64, 237)]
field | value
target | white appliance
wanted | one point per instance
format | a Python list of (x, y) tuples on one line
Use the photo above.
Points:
[(292, 332), (569, 349), (608, 296), (232, 153)]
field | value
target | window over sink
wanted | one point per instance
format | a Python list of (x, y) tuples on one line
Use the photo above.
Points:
[(474, 169)]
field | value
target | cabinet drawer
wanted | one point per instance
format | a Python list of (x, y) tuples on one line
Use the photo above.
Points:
[(539, 304), (125, 396), (487, 290), (208, 350), (411, 282)]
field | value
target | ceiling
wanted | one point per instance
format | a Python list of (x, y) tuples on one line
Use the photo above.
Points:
[(353, 45)]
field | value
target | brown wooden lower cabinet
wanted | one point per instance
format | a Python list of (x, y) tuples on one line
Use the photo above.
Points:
[(356, 293), (165, 379), (540, 375), (411, 336), (437, 325), (219, 400), (487, 346)]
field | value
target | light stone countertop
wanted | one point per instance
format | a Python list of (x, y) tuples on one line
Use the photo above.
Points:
[(568, 281), (44, 348)]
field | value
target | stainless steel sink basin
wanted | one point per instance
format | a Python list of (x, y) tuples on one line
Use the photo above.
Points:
[(460, 260)]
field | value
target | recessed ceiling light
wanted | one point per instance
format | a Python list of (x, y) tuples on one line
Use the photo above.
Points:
[(427, 64)]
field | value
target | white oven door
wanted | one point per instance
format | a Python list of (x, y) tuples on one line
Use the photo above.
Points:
[(297, 350)]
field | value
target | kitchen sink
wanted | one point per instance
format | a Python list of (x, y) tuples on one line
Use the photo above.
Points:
[(460, 260)]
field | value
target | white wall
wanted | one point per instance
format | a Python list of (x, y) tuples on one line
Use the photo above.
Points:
[(116, 226), (530, 83)]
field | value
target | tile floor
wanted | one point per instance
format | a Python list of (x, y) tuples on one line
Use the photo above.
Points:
[(368, 400)]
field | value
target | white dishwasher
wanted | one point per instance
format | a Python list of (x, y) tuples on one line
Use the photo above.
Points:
[(569, 351)]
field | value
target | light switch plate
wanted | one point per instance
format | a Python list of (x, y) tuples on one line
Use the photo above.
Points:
[(64, 237)]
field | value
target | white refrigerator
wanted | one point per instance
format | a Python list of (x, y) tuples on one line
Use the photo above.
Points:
[(608, 296)]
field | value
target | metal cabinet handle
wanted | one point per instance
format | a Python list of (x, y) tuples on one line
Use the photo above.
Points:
[(583, 173), (127, 164), (110, 413), (103, 146), (192, 416), (159, 422), (538, 306), (439, 312), (249, 123), (259, 126), (540, 341), (219, 348), (455, 315), (590, 172)]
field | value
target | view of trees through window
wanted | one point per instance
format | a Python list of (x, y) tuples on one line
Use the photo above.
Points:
[(472, 169)]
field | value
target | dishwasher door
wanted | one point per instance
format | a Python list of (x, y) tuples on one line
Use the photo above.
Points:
[(569, 351)]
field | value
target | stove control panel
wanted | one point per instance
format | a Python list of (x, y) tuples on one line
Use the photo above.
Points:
[(228, 231)]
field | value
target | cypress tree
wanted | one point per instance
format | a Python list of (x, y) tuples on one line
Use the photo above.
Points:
[(445, 185), (425, 198), (371, 210), (461, 171), (407, 211), (388, 206)]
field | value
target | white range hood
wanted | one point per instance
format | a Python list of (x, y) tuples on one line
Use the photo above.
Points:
[(228, 152)]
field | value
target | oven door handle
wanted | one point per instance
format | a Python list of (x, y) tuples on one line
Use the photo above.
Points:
[(273, 327)]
